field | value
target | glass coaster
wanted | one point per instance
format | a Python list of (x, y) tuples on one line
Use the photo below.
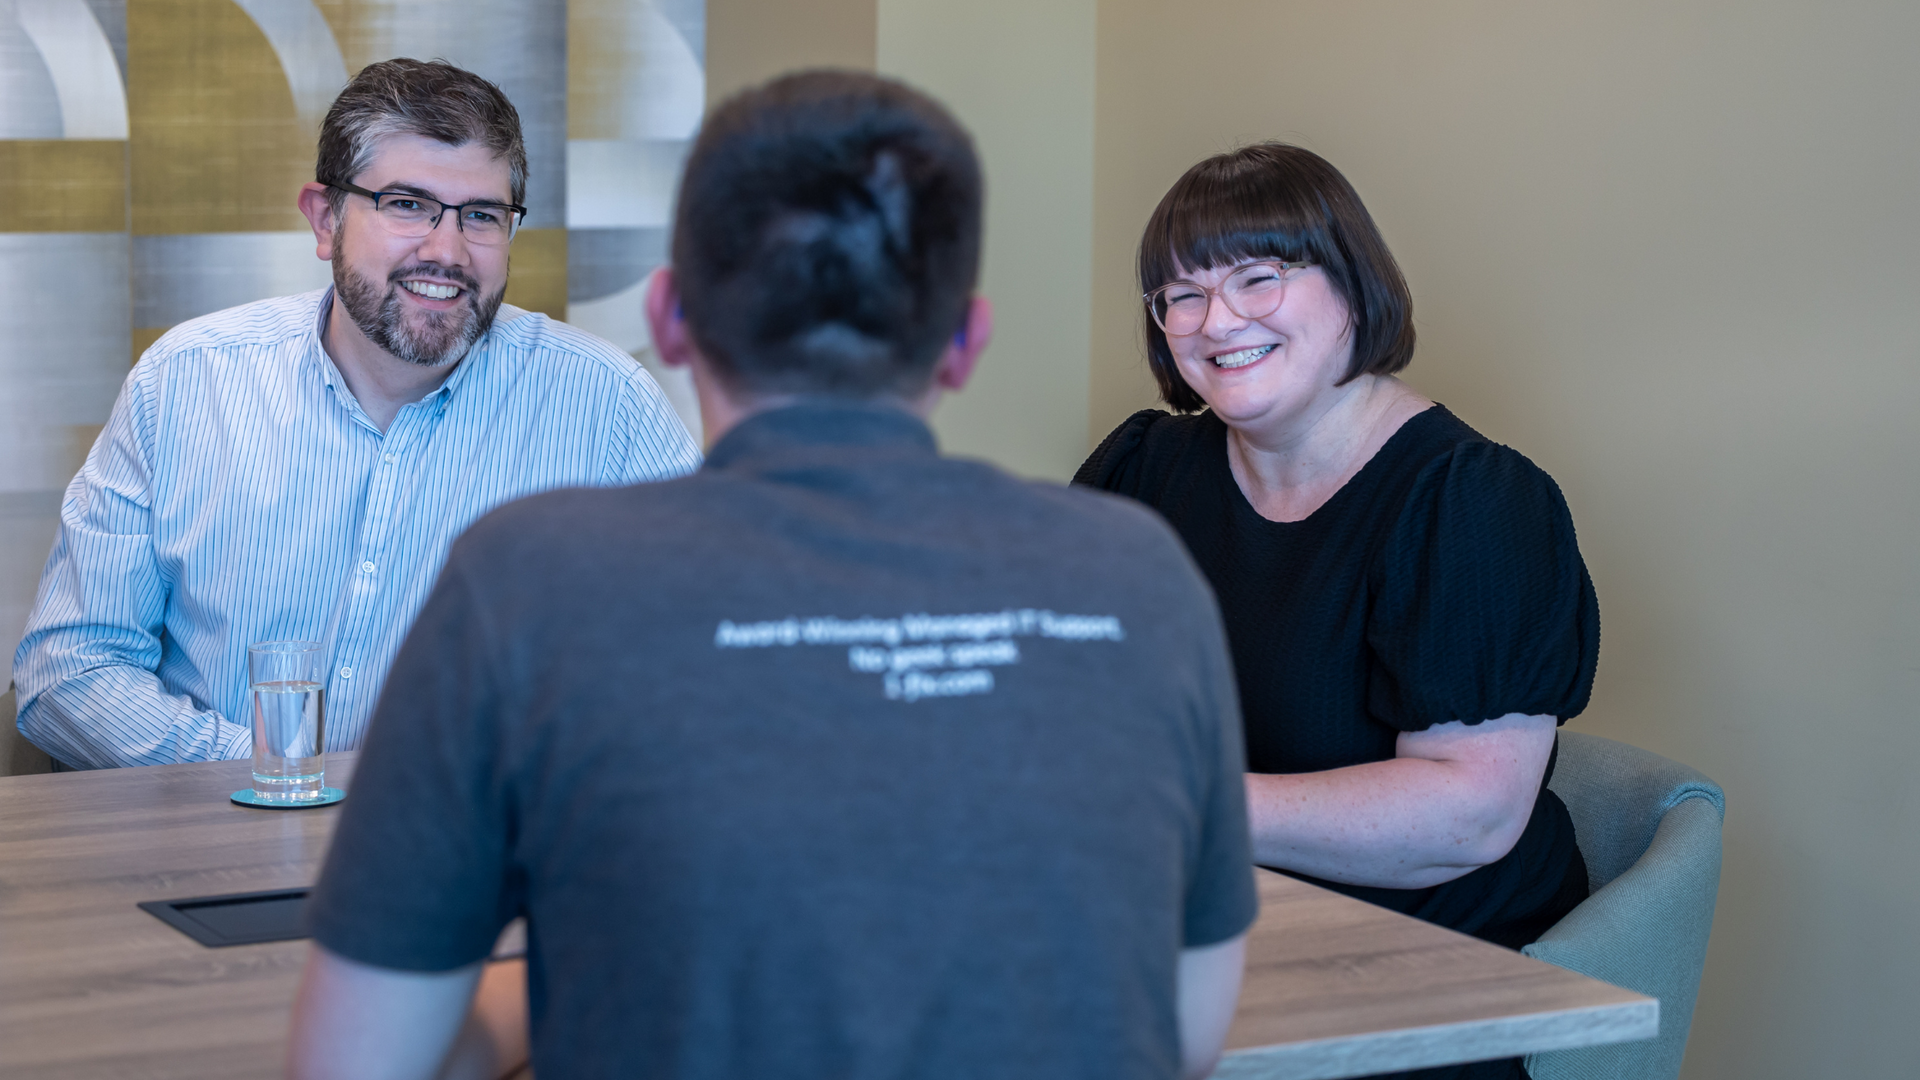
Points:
[(328, 796)]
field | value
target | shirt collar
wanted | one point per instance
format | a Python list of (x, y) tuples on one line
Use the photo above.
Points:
[(316, 342), (869, 429)]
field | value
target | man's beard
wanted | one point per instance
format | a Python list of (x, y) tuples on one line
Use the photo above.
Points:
[(447, 335)]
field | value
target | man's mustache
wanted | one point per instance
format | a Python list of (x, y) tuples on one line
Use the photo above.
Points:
[(436, 274)]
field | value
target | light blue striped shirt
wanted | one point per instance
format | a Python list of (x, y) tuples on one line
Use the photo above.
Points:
[(239, 494)]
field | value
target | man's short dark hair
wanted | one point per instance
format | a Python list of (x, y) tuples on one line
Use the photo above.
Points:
[(429, 98), (1274, 201), (828, 236)]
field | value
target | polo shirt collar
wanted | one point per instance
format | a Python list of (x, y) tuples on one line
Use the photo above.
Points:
[(823, 422)]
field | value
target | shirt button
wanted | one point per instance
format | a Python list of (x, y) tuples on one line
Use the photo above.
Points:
[(388, 458), (367, 567), (346, 673)]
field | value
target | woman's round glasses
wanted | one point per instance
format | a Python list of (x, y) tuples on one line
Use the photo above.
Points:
[(414, 216), (1252, 291)]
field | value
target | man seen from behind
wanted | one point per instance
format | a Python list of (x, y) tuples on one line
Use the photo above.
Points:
[(908, 769)]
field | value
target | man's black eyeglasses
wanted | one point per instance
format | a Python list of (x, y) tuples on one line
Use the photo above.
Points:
[(414, 216)]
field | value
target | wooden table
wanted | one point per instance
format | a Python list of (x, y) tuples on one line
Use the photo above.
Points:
[(93, 987), (1336, 987)]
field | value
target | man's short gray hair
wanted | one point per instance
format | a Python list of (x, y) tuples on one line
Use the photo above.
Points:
[(429, 98)]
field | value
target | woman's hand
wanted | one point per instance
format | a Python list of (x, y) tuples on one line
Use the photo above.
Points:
[(1456, 798)]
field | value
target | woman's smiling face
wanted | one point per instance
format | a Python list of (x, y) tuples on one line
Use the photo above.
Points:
[(1277, 370)]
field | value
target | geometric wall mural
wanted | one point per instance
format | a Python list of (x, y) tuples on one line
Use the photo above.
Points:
[(636, 89), (65, 266), (151, 150)]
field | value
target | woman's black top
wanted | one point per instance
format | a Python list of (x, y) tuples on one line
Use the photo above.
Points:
[(1441, 583)]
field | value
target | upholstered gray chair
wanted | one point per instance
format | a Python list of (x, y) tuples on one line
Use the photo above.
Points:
[(1650, 831)]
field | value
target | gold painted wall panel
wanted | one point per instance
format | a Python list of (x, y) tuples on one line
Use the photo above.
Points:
[(537, 275), (143, 339), (595, 36), (216, 143), (63, 185)]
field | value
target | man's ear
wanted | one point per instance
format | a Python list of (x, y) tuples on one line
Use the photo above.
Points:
[(318, 209), (671, 341), (720, 408), (956, 365)]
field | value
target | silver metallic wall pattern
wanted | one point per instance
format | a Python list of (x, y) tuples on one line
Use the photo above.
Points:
[(151, 150), (65, 321)]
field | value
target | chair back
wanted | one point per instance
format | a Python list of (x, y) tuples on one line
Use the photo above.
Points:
[(1617, 795), (1649, 829)]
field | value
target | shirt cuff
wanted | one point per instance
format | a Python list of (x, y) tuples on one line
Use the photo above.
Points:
[(234, 742)]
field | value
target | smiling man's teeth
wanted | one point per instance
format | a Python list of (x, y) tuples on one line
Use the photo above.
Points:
[(1243, 357), (430, 290)]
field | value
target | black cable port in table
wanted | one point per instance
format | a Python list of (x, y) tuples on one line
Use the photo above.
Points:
[(235, 918)]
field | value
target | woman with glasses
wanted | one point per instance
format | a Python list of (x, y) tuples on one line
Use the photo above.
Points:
[(1409, 613)]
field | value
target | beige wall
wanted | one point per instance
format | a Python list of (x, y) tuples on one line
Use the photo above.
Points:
[(1667, 250), (1662, 248), (749, 41), (1020, 76)]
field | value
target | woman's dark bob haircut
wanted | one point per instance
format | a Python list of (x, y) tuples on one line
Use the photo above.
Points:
[(1274, 201)]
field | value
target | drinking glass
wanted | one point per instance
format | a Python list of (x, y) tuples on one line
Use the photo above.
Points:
[(289, 720)]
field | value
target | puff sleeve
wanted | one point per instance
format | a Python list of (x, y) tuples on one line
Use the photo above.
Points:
[(1117, 464), (1482, 604)]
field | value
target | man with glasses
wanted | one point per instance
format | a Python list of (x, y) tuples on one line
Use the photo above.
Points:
[(296, 468)]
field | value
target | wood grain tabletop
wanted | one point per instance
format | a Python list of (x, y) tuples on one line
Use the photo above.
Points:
[(1336, 987), (93, 987)]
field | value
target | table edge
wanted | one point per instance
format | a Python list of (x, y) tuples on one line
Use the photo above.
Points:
[(1421, 1047)]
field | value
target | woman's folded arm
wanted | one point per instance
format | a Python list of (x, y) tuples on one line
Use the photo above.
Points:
[(1455, 798)]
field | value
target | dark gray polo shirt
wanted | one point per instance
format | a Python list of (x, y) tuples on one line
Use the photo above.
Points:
[(835, 759)]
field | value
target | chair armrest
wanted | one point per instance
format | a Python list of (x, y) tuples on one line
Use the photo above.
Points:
[(1647, 931)]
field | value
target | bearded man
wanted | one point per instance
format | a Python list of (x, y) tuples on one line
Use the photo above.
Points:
[(296, 468)]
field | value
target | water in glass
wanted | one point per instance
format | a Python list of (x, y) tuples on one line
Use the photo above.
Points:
[(289, 734)]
